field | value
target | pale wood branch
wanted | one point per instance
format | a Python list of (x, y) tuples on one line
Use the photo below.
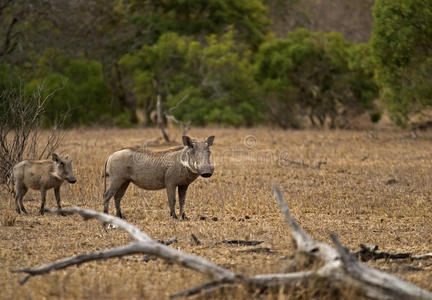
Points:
[(144, 245), (79, 259), (340, 267), (303, 240), (375, 282), (104, 219), (207, 287), (366, 253)]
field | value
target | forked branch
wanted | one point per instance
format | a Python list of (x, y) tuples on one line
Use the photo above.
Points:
[(339, 268), (143, 245)]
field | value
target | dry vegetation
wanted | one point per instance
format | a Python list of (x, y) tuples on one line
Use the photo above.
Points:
[(365, 189)]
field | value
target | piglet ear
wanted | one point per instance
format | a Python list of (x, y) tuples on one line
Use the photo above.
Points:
[(187, 141), (55, 157), (210, 140)]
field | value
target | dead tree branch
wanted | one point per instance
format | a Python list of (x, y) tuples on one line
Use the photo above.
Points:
[(20, 117), (160, 119), (183, 127), (132, 248), (340, 268), (366, 253), (143, 245)]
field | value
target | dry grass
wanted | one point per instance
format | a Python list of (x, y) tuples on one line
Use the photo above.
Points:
[(349, 196)]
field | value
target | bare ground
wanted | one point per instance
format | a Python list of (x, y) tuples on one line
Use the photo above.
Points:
[(366, 189)]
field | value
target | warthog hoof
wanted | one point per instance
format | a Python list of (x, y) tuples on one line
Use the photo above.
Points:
[(184, 217), (42, 212), (24, 211), (18, 210), (173, 215)]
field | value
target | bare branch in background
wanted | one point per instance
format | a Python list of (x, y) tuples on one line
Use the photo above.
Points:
[(183, 127), (160, 119), (20, 137)]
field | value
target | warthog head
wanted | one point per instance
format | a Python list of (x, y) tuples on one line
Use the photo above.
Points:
[(63, 168), (197, 156)]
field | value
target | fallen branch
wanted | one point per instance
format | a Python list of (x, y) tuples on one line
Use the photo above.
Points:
[(240, 242), (208, 287), (79, 259), (339, 267), (195, 239), (258, 250), (169, 241), (144, 245), (366, 253)]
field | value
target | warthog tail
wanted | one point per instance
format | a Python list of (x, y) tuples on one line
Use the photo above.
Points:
[(10, 181), (105, 174)]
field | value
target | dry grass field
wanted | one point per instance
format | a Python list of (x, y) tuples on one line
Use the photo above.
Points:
[(371, 190)]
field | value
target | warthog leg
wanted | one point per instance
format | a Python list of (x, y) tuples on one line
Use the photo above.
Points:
[(43, 194), (20, 192), (182, 196), (118, 196), (171, 192), (112, 189), (57, 196)]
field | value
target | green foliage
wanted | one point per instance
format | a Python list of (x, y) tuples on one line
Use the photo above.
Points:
[(207, 60), (402, 50), (7, 77), (80, 91), (214, 82), (321, 76), (200, 17)]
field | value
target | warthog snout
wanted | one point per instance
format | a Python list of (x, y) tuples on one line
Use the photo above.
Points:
[(207, 172), (63, 168)]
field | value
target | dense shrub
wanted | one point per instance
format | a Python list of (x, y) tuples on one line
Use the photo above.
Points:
[(214, 81), (402, 50), (319, 76), (80, 91)]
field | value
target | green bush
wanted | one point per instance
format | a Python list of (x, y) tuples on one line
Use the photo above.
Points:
[(402, 50), (319, 76), (80, 92), (214, 81), (200, 17)]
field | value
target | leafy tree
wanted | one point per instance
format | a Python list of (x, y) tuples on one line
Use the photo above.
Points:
[(214, 81), (315, 75), (81, 92), (200, 17), (402, 50)]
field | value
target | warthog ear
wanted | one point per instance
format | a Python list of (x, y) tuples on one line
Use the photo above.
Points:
[(55, 157), (210, 140), (67, 157), (187, 141)]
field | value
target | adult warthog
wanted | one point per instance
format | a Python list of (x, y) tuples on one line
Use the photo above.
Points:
[(155, 170), (41, 175)]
